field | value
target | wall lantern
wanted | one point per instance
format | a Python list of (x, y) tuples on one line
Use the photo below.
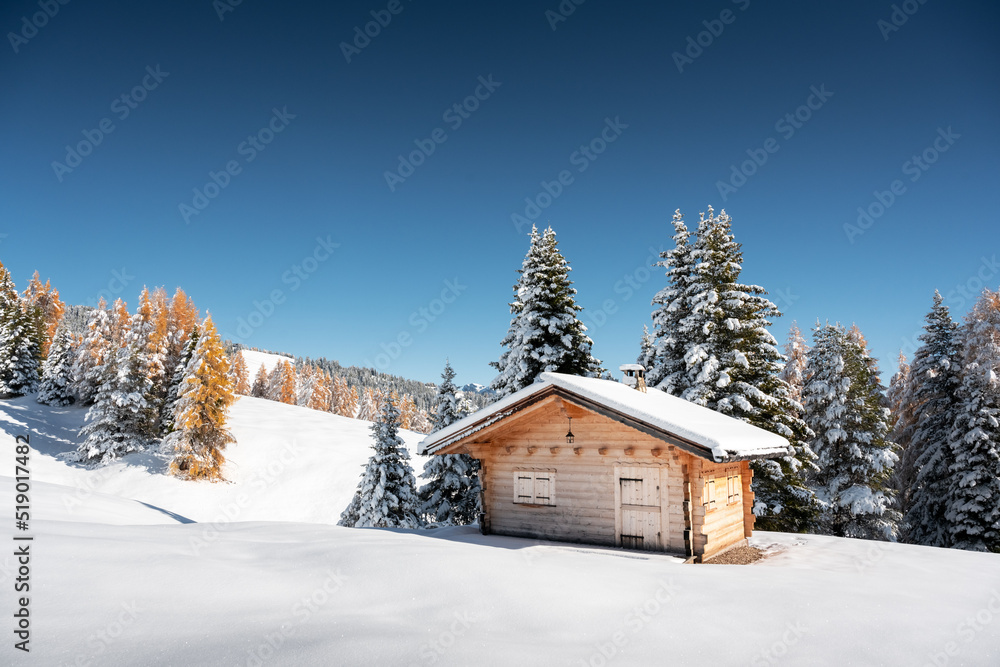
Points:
[(569, 434)]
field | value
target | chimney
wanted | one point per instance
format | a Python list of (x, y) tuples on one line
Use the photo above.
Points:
[(634, 376)]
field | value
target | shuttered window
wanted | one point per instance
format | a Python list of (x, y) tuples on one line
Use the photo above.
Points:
[(535, 487), (734, 485)]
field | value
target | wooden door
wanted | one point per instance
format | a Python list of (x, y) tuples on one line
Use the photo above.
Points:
[(638, 504)]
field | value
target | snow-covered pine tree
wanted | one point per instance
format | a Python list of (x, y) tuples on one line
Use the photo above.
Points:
[(545, 334), (20, 349), (241, 381), (57, 371), (148, 335), (177, 380), (665, 368), (260, 383), (386, 495), (973, 504), (901, 419), (713, 346), (645, 358), (92, 354), (926, 413), (122, 417), (843, 407), (451, 494), (794, 372), (281, 383), (202, 408), (304, 385), (367, 404)]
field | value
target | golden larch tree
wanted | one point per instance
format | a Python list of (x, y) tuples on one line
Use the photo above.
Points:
[(286, 391), (241, 381), (202, 410), (45, 297)]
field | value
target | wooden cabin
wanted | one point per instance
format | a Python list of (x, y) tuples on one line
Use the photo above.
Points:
[(601, 462)]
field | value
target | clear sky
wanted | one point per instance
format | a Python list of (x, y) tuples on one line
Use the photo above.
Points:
[(642, 108)]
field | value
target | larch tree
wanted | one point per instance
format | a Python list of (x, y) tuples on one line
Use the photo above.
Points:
[(973, 503), (202, 410), (57, 371), (321, 393), (46, 299), (926, 413), (241, 381), (844, 409), (794, 372), (545, 334), (450, 495), (386, 495)]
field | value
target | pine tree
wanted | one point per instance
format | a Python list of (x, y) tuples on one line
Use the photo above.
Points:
[(241, 381), (646, 355), (545, 334), (451, 494), (202, 409), (973, 503), (843, 405), (57, 372), (177, 381), (260, 383), (926, 413), (93, 353), (368, 404), (122, 418), (305, 385), (386, 495), (666, 368)]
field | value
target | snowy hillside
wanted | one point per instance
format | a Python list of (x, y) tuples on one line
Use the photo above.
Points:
[(288, 463), (130, 567), (255, 360)]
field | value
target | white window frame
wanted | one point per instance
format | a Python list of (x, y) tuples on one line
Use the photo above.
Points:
[(532, 484)]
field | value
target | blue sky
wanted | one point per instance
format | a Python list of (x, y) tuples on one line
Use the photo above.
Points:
[(421, 268)]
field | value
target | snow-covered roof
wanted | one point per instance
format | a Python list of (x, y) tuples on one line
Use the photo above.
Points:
[(631, 367), (713, 434)]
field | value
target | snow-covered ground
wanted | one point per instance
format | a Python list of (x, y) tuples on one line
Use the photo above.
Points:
[(130, 567), (255, 360)]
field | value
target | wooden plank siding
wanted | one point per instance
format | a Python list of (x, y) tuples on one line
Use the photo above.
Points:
[(585, 482)]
